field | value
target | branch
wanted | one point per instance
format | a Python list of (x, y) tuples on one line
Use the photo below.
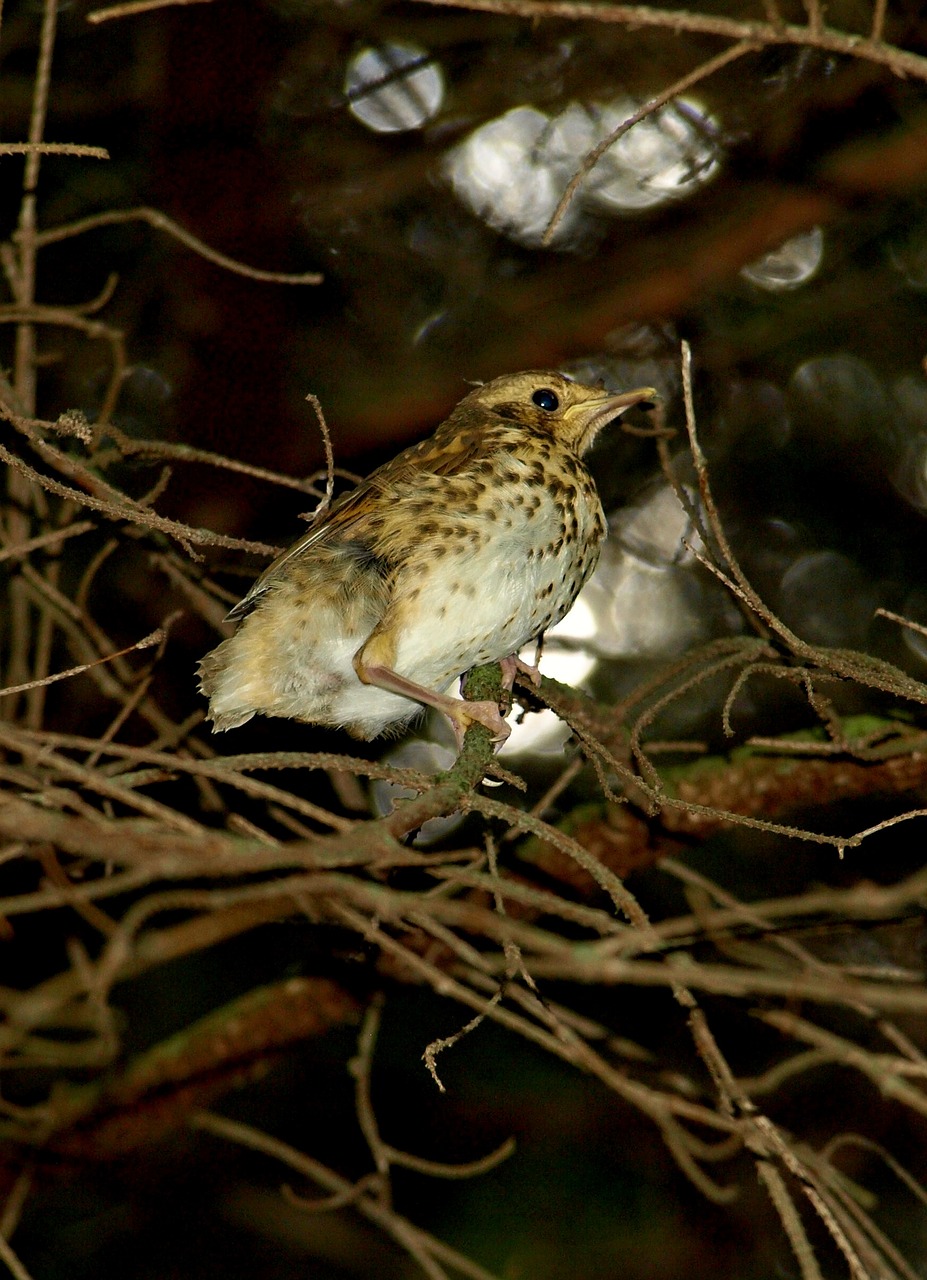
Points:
[(814, 36), (161, 222), (156, 1092)]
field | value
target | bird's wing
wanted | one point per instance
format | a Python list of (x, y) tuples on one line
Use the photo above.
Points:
[(334, 525), (346, 521)]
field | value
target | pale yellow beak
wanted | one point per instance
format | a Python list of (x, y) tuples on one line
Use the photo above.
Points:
[(592, 415)]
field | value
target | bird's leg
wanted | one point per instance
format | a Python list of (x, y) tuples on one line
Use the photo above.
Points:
[(374, 663), (513, 666), (460, 714)]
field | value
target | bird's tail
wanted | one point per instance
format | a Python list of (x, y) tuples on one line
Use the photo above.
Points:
[(232, 701)]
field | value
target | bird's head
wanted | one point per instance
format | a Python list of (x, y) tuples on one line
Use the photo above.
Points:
[(544, 400)]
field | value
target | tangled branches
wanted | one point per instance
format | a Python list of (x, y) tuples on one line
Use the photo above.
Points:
[(129, 843), (110, 831)]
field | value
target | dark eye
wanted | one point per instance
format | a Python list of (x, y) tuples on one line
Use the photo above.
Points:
[(546, 399)]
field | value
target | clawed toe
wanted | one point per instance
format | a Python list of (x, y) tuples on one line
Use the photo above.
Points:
[(514, 666), (485, 713)]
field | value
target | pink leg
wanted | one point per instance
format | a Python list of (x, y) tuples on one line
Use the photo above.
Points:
[(512, 666), (460, 714)]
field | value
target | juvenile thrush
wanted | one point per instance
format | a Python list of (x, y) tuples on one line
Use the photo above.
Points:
[(459, 551)]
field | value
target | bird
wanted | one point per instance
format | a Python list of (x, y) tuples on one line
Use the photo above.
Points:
[(459, 551)]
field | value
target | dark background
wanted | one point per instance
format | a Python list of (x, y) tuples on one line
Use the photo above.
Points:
[(230, 117)]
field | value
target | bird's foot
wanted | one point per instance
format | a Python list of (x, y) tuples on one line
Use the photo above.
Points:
[(462, 714), (513, 666)]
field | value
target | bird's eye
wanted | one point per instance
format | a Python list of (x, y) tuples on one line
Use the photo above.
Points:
[(546, 399)]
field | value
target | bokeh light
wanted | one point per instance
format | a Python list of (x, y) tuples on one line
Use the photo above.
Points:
[(394, 87), (512, 171), (790, 265)]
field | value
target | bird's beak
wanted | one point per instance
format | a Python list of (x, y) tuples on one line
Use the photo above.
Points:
[(625, 399), (592, 415)]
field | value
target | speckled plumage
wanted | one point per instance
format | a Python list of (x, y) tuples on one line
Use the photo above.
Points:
[(459, 551)]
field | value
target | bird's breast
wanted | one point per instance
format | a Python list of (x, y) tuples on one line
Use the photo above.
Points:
[(496, 569)]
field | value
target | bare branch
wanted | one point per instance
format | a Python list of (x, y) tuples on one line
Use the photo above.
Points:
[(161, 222), (755, 33), (133, 7), (674, 90), (53, 149)]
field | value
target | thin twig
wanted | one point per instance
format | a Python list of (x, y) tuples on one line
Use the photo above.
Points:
[(590, 160), (878, 20), (155, 637), (161, 222), (423, 1247), (53, 538), (53, 149), (11, 1261), (759, 33), (133, 7)]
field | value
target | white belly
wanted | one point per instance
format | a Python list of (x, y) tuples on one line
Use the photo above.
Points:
[(447, 611)]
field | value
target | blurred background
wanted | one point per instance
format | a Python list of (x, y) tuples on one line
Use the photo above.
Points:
[(774, 215)]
